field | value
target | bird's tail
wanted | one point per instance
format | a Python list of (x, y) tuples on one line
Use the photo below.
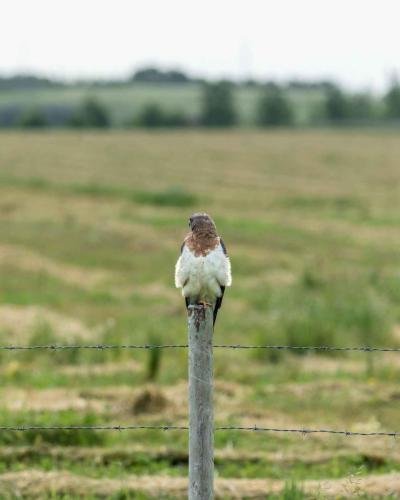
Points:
[(215, 313)]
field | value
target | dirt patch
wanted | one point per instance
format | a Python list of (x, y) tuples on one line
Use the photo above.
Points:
[(34, 484), (21, 322), (320, 364), (150, 400)]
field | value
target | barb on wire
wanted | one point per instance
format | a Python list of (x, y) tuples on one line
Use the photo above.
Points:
[(309, 348), (22, 428), (56, 347), (254, 428)]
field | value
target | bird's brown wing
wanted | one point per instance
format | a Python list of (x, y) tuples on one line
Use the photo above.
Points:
[(218, 302)]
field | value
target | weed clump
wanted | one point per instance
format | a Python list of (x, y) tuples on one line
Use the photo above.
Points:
[(150, 400)]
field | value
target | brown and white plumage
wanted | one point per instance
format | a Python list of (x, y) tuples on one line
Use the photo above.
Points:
[(203, 269)]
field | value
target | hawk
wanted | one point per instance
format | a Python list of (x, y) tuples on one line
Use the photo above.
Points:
[(203, 269)]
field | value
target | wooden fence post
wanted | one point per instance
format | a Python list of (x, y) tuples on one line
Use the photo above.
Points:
[(201, 414)]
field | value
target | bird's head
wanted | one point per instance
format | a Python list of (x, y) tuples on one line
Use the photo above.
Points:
[(202, 223)]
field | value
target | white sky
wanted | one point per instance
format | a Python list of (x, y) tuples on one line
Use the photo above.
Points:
[(356, 42)]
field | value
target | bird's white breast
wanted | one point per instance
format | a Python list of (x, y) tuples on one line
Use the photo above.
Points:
[(203, 275)]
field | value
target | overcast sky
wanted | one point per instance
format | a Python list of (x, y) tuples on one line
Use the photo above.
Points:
[(356, 42)]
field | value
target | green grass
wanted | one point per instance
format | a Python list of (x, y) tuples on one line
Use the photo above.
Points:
[(139, 463), (55, 437)]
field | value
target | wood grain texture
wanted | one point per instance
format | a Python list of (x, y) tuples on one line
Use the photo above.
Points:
[(201, 414)]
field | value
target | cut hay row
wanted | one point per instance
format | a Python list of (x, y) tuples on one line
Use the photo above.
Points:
[(36, 484)]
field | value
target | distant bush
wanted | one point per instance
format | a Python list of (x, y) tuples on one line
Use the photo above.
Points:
[(361, 107), (392, 100), (218, 107), (175, 119), (153, 116), (32, 118), (274, 108), (345, 108), (337, 106), (91, 114)]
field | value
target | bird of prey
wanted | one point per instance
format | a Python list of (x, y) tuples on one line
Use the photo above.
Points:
[(203, 269)]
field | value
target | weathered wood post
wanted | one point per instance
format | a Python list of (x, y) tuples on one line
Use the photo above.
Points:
[(201, 414)]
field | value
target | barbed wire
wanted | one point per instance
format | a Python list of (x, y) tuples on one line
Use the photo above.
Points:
[(23, 428), (255, 428), (56, 347)]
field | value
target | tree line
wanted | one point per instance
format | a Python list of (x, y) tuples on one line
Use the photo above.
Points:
[(274, 107), (151, 75)]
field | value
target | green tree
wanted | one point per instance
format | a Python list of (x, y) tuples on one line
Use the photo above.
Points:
[(155, 75), (274, 108), (336, 105), (92, 114), (218, 106), (392, 100), (32, 118), (175, 119), (361, 107), (153, 116)]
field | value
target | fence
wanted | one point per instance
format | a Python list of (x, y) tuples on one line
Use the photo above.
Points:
[(201, 426)]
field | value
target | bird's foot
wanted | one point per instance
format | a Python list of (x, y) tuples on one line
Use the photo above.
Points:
[(204, 304)]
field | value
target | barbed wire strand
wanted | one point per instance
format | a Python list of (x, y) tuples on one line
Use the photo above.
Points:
[(56, 347), (254, 428)]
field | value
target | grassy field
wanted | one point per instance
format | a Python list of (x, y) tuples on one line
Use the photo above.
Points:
[(126, 102), (90, 229)]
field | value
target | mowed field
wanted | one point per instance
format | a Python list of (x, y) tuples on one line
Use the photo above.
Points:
[(90, 229)]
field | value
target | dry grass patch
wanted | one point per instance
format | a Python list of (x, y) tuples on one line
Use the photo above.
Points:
[(20, 323), (35, 484), (106, 368), (49, 400)]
